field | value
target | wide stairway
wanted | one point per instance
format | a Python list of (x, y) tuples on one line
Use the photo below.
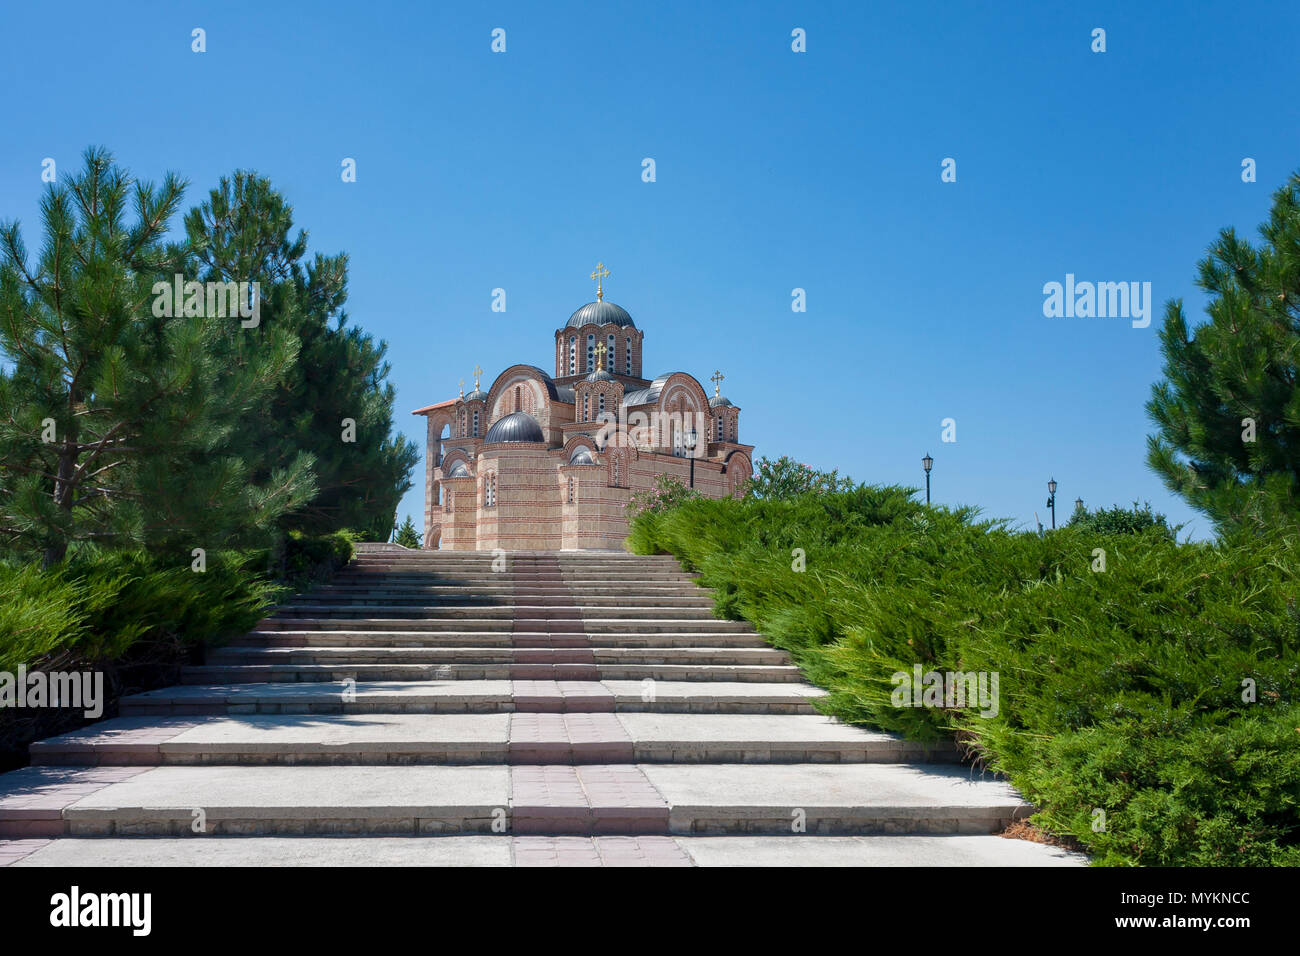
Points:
[(425, 708)]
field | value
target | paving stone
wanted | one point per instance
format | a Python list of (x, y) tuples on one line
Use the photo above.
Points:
[(271, 851)]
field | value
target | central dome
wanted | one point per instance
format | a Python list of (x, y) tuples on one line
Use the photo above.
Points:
[(600, 312), (519, 426)]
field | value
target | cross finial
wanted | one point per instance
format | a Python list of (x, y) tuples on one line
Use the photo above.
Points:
[(462, 388), (716, 379), (477, 372), (600, 273), (600, 355)]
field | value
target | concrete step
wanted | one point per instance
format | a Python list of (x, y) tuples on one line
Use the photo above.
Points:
[(496, 639), (302, 673), (367, 598), (630, 799), (588, 626), (475, 696), (517, 739), (243, 654), (632, 577), (620, 851), (350, 611)]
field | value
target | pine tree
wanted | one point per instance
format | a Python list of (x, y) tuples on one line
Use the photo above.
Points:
[(335, 403), (113, 427), (407, 535), (1228, 411)]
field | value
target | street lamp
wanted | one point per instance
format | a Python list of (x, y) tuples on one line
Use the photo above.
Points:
[(927, 463), (691, 440), (1051, 501), (1078, 504)]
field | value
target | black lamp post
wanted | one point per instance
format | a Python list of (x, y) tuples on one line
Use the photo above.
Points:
[(1051, 501), (927, 463), (692, 439)]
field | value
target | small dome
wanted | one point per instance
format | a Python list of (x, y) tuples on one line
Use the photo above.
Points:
[(581, 456), (478, 395), (600, 375), (458, 470), (519, 426), (719, 401), (600, 313)]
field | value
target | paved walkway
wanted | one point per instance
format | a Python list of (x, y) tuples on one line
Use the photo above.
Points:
[(572, 709)]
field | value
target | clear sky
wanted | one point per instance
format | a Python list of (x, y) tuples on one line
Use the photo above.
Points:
[(775, 170)]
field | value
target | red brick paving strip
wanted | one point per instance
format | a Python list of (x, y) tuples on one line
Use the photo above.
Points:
[(127, 746), (560, 738), (585, 800), (34, 799)]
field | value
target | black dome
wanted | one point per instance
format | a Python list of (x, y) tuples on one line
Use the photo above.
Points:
[(599, 375), (519, 426), (600, 313)]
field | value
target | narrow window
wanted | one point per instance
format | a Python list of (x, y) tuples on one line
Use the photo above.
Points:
[(627, 354), (476, 423), (570, 491), (615, 471), (602, 405), (586, 406), (609, 355), (573, 354), (591, 353)]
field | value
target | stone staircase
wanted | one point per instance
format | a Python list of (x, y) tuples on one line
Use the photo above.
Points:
[(579, 707)]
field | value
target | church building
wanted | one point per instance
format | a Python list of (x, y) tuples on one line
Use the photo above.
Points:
[(546, 461)]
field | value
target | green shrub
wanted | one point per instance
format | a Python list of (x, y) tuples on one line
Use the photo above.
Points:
[(1119, 520), (1126, 689), (787, 478), (98, 606)]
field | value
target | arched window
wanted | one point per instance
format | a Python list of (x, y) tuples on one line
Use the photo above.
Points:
[(601, 410), (570, 491), (519, 398), (721, 434), (573, 354), (615, 467), (591, 353), (586, 406), (627, 355), (609, 355), (490, 490), (476, 423), (462, 423)]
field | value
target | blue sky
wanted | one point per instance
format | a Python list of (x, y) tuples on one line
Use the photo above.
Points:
[(775, 170)]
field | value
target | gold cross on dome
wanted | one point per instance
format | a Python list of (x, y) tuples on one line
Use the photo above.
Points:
[(600, 273), (600, 355), (462, 388), (477, 372), (716, 379)]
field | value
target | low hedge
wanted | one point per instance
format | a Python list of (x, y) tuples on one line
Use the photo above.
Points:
[(1159, 687), (138, 618)]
